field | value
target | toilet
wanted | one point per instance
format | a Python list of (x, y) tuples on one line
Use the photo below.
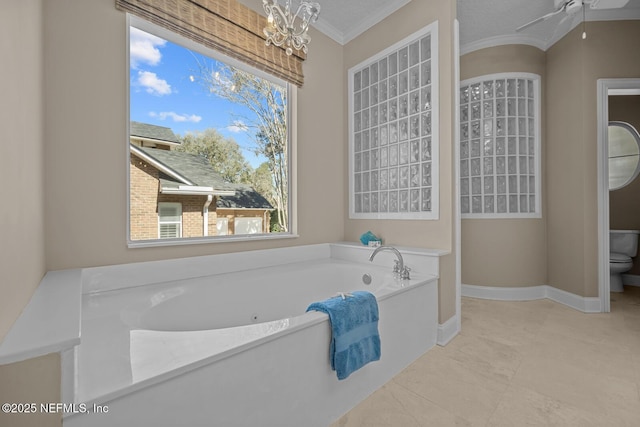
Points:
[(623, 245)]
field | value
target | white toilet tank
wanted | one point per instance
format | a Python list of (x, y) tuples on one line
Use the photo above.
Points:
[(624, 242)]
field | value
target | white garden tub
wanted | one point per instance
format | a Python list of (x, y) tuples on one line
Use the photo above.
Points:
[(225, 341)]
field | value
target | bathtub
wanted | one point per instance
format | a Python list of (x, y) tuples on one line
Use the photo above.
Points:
[(225, 340)]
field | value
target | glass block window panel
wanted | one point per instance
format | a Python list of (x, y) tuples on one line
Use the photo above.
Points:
[(393, 131), (500, 146)]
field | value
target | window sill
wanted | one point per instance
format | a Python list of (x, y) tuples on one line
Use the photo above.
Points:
[(132, 244)]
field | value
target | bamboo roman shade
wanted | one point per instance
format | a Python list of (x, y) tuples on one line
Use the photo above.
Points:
[(224, 25)]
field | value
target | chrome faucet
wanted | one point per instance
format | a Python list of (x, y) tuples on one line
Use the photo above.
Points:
[(399, 266)]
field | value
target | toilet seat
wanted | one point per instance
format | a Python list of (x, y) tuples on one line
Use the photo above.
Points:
[(616, 258)]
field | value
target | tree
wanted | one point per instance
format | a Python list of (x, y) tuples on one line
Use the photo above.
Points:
[(267, 101), (223, 154), (262, 181)]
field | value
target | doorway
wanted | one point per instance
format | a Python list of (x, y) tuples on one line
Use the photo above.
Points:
[(606, 88)]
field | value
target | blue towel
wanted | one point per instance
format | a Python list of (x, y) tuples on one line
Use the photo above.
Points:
[(354, 331)]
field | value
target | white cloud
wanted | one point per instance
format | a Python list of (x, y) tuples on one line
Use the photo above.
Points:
[(176, 117), (153, 84), (143, 48), (237, 126)]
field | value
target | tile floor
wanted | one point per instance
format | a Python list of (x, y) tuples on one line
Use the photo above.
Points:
[(534, 363)]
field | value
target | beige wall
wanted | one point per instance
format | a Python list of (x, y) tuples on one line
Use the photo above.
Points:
[(560, 249), (436, 234), (505, 252), (85, 120), (22, 262), (624, 204), (31, 381), (573, 67), (22, 257)]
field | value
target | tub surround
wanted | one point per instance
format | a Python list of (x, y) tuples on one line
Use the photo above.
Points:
[(50, 323), (162, 330), (59, 301)]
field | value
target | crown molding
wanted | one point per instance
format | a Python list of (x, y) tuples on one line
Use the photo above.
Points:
[(502, 40), (371, 19)]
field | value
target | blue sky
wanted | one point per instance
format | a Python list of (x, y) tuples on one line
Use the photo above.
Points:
[(163, 93)]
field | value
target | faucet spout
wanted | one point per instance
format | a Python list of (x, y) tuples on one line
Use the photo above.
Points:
[(400, 262)]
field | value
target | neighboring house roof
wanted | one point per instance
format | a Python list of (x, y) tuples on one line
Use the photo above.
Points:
[(245, 198), (153, 132), (196, 169), (186, 173)]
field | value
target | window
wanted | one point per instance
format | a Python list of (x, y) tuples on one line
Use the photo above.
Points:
[(500, 146), (206, 132), (222, 226), (169, 220), (393, 131), (248, 225), (624, 154)]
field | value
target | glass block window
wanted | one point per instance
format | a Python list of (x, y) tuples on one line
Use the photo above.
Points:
[(500, 146), (393, 131)]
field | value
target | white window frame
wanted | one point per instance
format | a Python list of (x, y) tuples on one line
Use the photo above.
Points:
[(162, 222), (292, 95), (492, 135), (422, 197)]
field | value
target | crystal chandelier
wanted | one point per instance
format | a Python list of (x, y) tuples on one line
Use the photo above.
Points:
[(286, 29)]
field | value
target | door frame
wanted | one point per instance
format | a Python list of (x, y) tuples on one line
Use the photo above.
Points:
[(605, 88)]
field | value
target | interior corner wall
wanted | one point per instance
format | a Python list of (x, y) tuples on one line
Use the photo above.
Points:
[(22, 235), (86, 143), (419, 233), (22, 260), (573, 68), (506, 252)]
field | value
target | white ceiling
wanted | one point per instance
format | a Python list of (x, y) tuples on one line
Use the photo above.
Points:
[(344, 20), (483, 23)]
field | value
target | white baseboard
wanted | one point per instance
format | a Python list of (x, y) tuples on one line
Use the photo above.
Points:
[(584, 304), (504, 294), (448, 330)]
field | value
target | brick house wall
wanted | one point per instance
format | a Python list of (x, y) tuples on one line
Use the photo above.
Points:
[(143, 200), (144, 196)]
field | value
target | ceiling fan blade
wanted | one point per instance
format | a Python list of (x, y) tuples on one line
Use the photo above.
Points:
[(542, 18), (555, 32)]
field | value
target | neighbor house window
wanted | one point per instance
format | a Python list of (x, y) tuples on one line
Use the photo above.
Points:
[(222, 226), (205, 131), (500, 146), (248, 225), (169, 220)]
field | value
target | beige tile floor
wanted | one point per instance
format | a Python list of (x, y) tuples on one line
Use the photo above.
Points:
[(534, 363)]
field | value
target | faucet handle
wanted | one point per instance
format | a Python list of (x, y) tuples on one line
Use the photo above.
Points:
[(404, 274)]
